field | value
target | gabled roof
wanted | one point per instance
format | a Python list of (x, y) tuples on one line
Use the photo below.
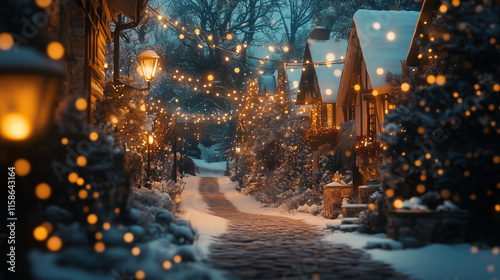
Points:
[(427, 13), (329, 75), (293, 71), (384, 38), (379, 51), (320, 81)]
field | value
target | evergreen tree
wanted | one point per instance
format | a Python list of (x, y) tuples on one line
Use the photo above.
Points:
[(447, 140)]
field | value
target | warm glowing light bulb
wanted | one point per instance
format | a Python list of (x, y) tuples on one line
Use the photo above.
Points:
[(15, 127)]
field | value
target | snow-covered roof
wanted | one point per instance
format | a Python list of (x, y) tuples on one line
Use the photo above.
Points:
[(328, 75), (268, 85), (293, 73), (385, 38)]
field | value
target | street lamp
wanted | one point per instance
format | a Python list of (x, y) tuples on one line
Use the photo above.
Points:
[(236, 160), (150, 141), (149, 62), (29, 83)]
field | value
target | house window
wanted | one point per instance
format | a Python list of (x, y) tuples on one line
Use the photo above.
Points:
[(371, 118)]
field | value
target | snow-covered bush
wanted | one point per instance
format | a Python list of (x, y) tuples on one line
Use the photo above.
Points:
[(213, 153), (374, 219)]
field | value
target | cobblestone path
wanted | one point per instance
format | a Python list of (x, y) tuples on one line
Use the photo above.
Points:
[(270, 247)]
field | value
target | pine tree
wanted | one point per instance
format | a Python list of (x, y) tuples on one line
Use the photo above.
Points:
[(447, 140)]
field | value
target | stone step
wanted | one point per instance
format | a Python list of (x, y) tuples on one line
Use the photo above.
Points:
[(349, 228), (350, 221), (353, 210)]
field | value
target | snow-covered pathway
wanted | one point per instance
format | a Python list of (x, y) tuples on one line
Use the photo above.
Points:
[(269, 247)]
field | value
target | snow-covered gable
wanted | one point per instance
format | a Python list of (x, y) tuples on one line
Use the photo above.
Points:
[(328, 75), (385, 38), (293, 72)]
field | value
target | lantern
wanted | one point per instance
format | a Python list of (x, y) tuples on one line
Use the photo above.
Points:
[(149, 61), (29, 83)]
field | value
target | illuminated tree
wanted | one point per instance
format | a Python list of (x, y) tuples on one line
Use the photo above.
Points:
[(446, 141)]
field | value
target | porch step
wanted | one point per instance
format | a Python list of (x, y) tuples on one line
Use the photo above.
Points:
[(349, 228), (350, 221), (353, 210)]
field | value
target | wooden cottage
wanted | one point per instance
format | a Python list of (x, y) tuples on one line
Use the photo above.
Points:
[(379, 43), (320, 79), (84, 29)]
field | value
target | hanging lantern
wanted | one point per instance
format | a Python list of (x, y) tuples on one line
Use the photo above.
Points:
[(29, 83), (149, 61)]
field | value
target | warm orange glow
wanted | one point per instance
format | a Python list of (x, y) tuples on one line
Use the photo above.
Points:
[(181, 36), (150, 139), (40, 233), (440, 80), (54, 243), (72, 177), (55, 50), (136, 251), (398, 203), (82, 194), (64, 141), (99, 247), (445, 193), (140, 275), (106, 226), (380, 71), (374, 92), (431, 79), (15, 127), (92, 219), (22, 167), (81, 104), (210, 77), (43, 191), (167, 265), (236, 70), (229, 36), (128, 237), (94, 136), (43, 3), (6, 41), (420, 188), (357, 87), (81, 161), (405, 87), (389, 193), (496, 87), (177, 259), (443, 8), (497, 207)]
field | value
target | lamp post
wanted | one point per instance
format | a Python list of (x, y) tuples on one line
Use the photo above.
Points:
[(29, 83), (148, 63), (150, 141), (236, 159)]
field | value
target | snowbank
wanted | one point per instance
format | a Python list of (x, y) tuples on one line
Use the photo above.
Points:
[(196, 212)]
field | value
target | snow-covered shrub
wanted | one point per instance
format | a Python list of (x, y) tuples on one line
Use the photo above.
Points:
[(189, 166), (374, 219), (213, 153)]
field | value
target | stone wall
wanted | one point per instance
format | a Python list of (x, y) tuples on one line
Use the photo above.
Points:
[(415, 229)]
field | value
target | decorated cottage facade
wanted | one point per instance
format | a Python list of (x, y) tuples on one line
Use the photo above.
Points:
[(379, 43), (84, 29)]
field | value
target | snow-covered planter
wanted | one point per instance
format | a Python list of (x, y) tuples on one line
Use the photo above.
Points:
[(418, 227), (333, 194)]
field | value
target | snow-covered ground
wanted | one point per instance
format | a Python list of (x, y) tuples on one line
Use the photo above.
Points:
[(438, 261)]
